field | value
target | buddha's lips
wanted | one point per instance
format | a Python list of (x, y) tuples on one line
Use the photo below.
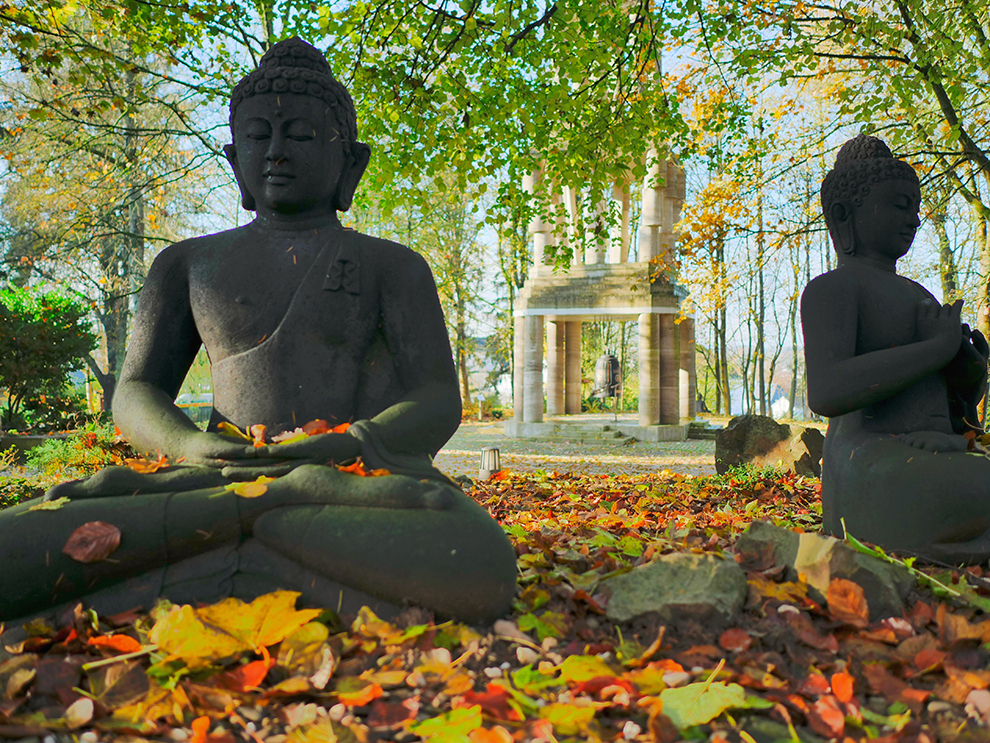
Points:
[(269, 175)]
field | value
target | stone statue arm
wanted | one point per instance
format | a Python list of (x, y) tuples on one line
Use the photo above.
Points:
[(163, 345), (966, 379), (839, 380), (416, 333)]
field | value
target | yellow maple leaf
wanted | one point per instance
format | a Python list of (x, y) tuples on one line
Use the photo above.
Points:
[(199, 636), (251, 489), (229, 429)]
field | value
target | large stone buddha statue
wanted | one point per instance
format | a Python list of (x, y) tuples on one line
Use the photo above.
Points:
[(897, 373), (302, 320)]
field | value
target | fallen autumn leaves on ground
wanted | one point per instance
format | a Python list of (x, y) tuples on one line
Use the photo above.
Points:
[(786, 668)]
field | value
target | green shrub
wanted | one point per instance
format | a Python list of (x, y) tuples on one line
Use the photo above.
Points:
[(44, 336), (80, 455)]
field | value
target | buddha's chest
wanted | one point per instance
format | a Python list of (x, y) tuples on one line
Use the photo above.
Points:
[(242, 299), (888, 312)]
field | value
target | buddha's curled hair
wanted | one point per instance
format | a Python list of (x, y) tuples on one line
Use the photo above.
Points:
[(862, 162), (293, 66)]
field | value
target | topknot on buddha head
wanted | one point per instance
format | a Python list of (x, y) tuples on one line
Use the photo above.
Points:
[(293, 66), (862, 162)]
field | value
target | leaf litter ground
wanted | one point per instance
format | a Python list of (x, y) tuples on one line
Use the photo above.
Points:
[(556, 669)]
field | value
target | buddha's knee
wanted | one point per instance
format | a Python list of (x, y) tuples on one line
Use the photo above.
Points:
[(313, 483)]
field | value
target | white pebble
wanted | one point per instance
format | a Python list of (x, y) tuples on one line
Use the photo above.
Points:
[(178, 734), (493, 673), (526, 655), (505, 665), (337, 712), (549, 643), (630, 730), (784, 608), (89, 737), (676, 678)]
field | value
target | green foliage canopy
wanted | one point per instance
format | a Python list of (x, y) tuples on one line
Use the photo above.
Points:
[(43, 336)]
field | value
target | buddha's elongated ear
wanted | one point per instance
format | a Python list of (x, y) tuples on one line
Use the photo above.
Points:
[(247, 199), (349, 179), (840, 226)]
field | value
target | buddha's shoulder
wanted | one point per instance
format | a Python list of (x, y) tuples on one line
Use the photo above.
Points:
[(384, 253), (189, 250)]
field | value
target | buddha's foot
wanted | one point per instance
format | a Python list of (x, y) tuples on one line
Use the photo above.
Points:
[(934, 441)]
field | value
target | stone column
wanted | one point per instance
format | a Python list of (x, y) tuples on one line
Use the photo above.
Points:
[(555, 367), (651, 218), (518, 366), (540, 230), (649, 369), (533, 375), (572, 367), (670, 369), (689, 378)]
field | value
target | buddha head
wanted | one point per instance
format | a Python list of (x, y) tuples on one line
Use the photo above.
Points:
[(295, 150), (871, 201)]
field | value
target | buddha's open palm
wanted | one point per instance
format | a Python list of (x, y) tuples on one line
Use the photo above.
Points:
[(275, 460)]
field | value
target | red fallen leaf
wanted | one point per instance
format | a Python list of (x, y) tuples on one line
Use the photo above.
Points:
[(92, 542), (735, 640), (847, 603), (494, 701), (595, 685), (120, 643), (827, 718), (392, 714), (317, 427), (500, 475), (886, 684), (814, 685), (807, 633), (582, 595), (921, 614), (842, 686)]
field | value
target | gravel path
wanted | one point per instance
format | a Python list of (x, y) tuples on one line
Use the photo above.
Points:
[(462, 455)]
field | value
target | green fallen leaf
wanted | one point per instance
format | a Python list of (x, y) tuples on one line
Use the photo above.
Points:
[(50, 505), (578, 668), (452, 727), (696, 704)]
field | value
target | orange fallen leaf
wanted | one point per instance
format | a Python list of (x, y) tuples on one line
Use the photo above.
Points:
[(361, 697), (842, 686), (355, 469), (827, 718), (257, 432), (200, 727), (497, 734), (247, 677), (847, 603), (894, 689), (147, 466), (120, 643), (92, 542)]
